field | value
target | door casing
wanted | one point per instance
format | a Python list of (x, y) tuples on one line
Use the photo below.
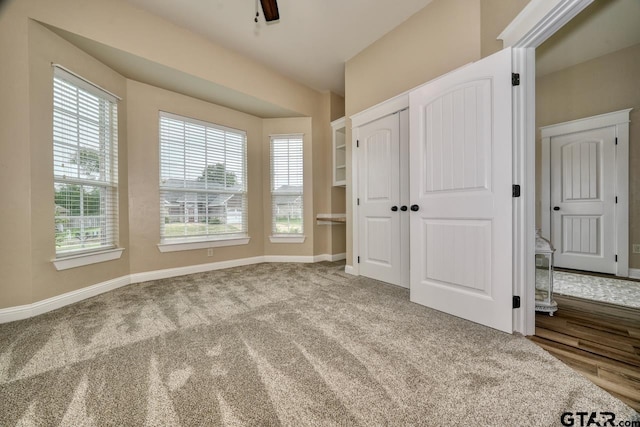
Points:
[(620, 121)]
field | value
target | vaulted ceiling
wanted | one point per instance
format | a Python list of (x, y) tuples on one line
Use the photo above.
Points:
[(311, 41)]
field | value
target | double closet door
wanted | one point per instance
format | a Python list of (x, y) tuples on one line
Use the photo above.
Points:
[(383, 205), (434, 206)]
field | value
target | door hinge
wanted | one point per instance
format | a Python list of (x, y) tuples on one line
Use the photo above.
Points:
[(358, 260), (616, 199), (358, 201), (515, 190), (616, 140), (516, 301), (357, 143), (515, 79), (616, 258)]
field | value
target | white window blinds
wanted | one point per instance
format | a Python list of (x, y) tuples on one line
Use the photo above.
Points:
[(85, 166), (203, 180), (287, 182)]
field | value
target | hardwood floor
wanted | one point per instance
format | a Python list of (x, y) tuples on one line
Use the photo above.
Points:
[(599, 340)]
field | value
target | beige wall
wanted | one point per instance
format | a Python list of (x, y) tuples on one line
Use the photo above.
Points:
[(599, 86), (439, 38), (144, 104), (280, 127), (15, 168), (495, 15), (28, 48), (46, 48)]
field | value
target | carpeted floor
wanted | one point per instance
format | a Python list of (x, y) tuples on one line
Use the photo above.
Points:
[(277, 344)]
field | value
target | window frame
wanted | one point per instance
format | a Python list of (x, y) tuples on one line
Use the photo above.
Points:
[(297, 138), (208, 239), (72, 90)]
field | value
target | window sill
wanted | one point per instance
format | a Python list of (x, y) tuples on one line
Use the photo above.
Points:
[(74, 261), (287, 239), (201, 244)]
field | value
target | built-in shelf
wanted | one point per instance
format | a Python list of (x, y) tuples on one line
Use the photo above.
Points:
[(331, 219), (339, 152)]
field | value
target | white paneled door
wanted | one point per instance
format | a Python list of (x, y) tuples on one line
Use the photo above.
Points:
[(583, 200), (461, 196), (383, 214)]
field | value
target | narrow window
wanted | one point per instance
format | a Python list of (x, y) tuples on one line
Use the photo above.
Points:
[(203, 184), (287, 185), (85, 166)]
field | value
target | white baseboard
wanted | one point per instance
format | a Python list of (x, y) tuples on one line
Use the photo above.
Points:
[(191, 269), (350, 270), (330, 257), (29, 310), (634, 273)]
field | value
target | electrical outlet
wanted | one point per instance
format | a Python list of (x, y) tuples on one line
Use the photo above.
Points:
[(210, 252), (636, 249)]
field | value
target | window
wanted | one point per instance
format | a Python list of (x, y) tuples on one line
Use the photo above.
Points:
[(203, 185), (287, 185), (85, 166)]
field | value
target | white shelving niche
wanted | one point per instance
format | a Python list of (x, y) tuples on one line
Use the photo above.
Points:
[(339, 152)]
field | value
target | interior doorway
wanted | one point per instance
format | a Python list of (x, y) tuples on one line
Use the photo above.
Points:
[(583, 72)]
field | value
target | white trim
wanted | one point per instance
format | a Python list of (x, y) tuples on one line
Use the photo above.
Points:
[(287, 239), (587, 123), (191, 269), (539, 20), (29, 310), (525, 35), (80, 260), (634, 273), (330, 257), (203, 244), (354, 268), (11, 314), (620, 120), (350, 270), (390, 106)]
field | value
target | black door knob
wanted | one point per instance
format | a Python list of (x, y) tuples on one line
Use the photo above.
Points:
[(394, 208), (403, 208), (415, 208), (556, 208)]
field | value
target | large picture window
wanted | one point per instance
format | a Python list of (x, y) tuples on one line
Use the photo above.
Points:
[(85, 166), (203, 184), (287, 184)]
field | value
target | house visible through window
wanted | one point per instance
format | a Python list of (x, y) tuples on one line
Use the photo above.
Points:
[(85, 166), (287, 185), (203, 185)]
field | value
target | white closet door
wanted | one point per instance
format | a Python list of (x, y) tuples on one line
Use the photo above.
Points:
[(583, 200), (379, 210), (461, 164)]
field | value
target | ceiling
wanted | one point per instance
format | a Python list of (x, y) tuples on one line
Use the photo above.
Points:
[(604, 27), (310, 43)]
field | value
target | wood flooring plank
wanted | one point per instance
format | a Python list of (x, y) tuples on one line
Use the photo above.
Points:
[(600, 341)]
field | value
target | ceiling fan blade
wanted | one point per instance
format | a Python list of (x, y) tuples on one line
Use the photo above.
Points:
[(270, 10)]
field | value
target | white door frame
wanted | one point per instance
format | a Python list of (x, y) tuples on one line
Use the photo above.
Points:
[(538, 21), (619, 120)]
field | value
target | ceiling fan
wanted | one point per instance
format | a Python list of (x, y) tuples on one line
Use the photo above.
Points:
[(270, 10)]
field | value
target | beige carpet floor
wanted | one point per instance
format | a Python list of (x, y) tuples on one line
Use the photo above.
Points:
[(277, 344)]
